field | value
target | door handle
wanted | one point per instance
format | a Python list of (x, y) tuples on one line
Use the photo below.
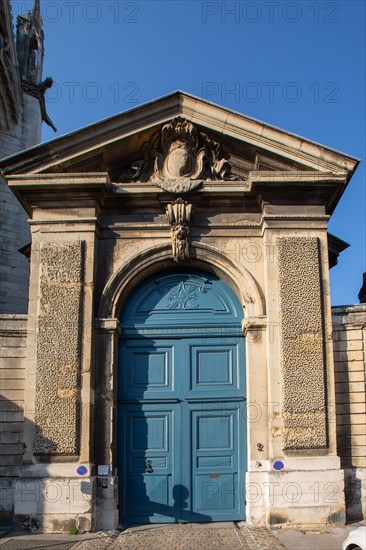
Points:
[(148, 467)]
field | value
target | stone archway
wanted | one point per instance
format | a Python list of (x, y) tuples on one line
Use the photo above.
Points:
[(107, 327)]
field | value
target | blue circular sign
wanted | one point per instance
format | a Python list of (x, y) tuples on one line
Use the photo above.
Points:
[(278, 465), (82, 470)]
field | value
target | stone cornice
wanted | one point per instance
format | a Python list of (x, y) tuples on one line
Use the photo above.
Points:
[(56, 180), (83, 187), (277, 187), (270, 178), (263, 135)]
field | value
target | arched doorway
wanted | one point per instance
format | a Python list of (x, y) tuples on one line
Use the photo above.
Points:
[(181, 401)]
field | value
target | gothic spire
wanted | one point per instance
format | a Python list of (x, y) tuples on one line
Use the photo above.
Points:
[(37, 9), (36, 14)]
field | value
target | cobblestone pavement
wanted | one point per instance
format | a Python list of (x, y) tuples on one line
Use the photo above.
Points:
[(25, 544), (189, 537), (219, 536)]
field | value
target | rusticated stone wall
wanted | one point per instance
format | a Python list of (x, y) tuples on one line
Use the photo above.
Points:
[(58, 349), (302, 343)]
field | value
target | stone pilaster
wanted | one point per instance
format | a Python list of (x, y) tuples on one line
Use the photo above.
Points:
[(107, 332)]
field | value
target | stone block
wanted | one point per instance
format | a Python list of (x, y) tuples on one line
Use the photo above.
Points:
[(350, 376), (7, 383), (350, 356), (11, 449), (345, 345), (12, 395), (352, 397), (356, 408), (350, 334), (15, 375), (8, 437), (350, 387), (351, 429)]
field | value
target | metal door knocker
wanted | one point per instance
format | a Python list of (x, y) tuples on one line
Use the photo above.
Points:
[(148, 467)]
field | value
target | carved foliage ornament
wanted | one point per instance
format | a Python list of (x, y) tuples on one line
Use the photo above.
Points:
[(178, 158), (179, 216)]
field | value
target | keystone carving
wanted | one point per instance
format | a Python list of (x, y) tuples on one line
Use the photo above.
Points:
[(179, 158), (179, 215)]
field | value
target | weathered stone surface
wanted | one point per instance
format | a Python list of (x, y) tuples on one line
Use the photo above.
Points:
[(302, 343), (58, 349)]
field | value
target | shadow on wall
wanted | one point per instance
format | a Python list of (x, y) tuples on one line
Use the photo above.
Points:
[(11, 453), (352, 484), (354, 497)]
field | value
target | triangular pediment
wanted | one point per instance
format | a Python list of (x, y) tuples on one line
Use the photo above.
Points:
[(110, 144), (252, 150)]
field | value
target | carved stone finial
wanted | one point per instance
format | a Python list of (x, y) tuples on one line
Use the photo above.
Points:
[(179, 216), (179, 158)]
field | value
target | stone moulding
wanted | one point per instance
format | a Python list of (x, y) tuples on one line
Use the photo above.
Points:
[(302, 343), (58, 353)]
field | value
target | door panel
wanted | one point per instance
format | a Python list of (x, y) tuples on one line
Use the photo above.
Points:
[(149, 469), (148, 369), (217, 477), (214, 368), (181, 403)]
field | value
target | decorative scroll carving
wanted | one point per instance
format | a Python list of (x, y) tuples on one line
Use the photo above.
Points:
[(185, 295), (178, 158), (58, 350), (302, 343), (179, 216)]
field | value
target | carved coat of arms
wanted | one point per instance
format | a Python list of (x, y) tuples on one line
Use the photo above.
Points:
[(178, 158)]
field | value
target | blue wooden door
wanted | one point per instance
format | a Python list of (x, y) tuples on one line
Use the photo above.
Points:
[(181, 393)]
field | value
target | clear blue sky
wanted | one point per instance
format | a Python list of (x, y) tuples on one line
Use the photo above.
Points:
[(297, 65)]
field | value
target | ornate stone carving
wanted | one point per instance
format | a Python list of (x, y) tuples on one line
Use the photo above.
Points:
[(42, 88), (178, 158), (10, 102), (179, 216), (302, 343), (58, 350), (29, 42)]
